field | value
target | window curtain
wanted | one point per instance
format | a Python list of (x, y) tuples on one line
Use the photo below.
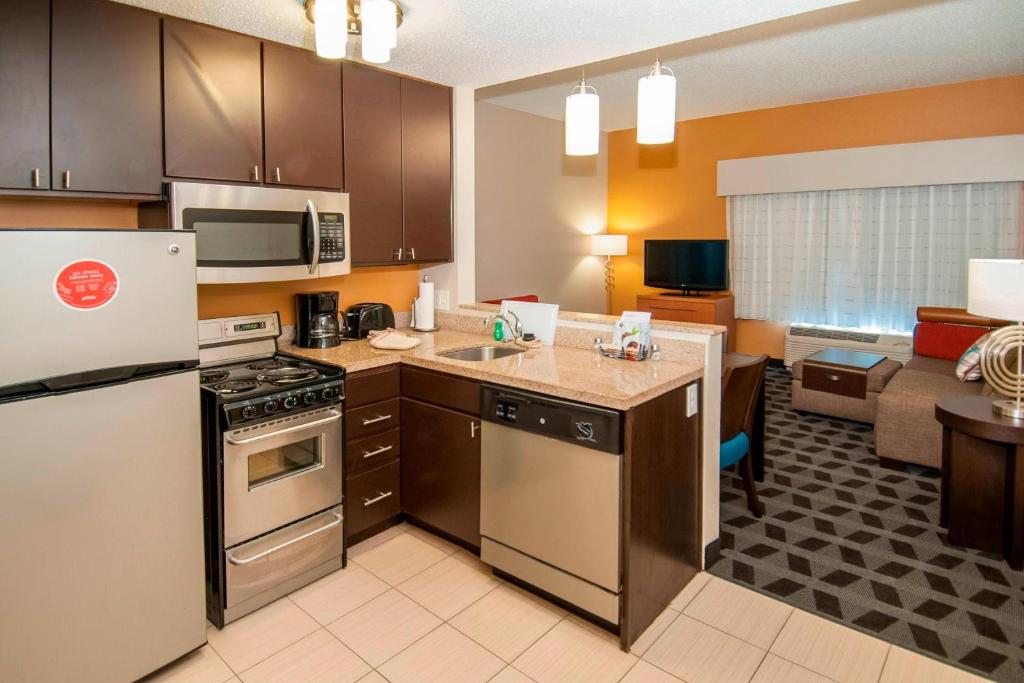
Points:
[(866, 258)]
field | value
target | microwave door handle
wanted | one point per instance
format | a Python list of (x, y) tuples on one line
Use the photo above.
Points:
[(314, 220)]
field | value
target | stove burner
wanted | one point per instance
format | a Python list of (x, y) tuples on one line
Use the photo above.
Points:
[(287, 375), (271, 364), (235, 387), (210, 376)]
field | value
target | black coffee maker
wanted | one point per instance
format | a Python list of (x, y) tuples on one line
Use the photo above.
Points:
[(316, 320)]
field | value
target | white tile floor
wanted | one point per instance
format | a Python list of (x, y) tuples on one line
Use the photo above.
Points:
[(412, 607)]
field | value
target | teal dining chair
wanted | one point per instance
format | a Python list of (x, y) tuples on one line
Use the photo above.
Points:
[(741, 385)]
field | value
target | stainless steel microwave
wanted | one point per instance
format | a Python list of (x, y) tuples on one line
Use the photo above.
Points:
[(262, 234)]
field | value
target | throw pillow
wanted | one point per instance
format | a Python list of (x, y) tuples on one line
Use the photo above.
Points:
[(968, 368)]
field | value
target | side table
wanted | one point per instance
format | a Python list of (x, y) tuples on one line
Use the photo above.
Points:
[(982, 503)]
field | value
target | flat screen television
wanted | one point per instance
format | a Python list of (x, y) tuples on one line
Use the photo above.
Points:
[(689, 266)]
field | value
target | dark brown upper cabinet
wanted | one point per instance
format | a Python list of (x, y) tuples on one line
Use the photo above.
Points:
[(373, 162), (213, 111), (301, 118), (105, 91), (25, 94), (427, 170)]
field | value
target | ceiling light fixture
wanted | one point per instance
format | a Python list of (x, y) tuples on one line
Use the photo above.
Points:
[(582, 120), (377, 21), (656, 106)]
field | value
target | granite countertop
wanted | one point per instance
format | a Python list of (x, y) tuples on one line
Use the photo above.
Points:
[(602, 319), (570, 373)]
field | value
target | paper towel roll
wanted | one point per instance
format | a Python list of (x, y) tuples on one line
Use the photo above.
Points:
[(424, 307)]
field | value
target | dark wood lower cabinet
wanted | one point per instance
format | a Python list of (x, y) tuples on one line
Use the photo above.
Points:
[(441, 469), (373, 497)]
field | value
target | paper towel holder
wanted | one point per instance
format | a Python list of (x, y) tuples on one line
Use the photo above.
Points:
[(412, 324)]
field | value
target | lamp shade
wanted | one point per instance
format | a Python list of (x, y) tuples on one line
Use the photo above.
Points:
[(380, 27), (582, 122), (656, 108), (608, 245), (331, 28), (995, 288)]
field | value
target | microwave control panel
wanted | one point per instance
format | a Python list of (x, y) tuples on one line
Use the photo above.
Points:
[(332, 237)]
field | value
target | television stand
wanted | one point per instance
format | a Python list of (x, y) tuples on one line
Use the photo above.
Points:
[(707, 308)]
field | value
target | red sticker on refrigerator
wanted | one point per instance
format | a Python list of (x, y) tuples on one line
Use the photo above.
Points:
[(85, 285)]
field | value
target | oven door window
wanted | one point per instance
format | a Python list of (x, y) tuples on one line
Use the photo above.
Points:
[(284, 461), (241, 238)]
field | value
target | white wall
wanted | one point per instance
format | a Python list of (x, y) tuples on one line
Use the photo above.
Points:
[(535, 210)]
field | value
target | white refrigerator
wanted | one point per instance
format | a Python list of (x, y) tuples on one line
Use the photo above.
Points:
[(101, 522)]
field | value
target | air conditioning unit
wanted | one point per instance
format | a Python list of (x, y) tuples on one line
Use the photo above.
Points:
[(805, 340)]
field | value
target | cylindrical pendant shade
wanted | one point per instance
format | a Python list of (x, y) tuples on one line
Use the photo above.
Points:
[(379, 20), (582, 124), (656, 108), (331, 28), (995, 288)]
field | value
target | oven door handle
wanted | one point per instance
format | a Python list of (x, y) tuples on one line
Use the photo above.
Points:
[(335, 416), (314, 220), (281, 546)]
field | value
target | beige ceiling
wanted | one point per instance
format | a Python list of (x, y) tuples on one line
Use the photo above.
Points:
[(864, 47), (483, 42)]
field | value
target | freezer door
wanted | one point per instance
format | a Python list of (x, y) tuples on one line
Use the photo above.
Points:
[(137, 307), (101, 519)]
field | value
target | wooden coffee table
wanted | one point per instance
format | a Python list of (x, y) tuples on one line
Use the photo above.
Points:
[(982, 477), (840, 372)]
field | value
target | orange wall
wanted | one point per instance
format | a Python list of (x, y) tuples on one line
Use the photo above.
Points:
[(669, 191), (394, 285)]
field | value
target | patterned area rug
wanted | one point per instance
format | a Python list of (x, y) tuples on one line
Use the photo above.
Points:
[(856, 543)]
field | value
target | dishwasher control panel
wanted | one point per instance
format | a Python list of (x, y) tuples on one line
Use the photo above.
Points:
[(584, 425)]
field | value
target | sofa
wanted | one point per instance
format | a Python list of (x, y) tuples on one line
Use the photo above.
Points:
[(906, 430)]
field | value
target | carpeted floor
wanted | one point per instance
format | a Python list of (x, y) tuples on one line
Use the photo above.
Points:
[(856, 543)]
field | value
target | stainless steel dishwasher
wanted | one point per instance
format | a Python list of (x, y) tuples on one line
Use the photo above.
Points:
[(549, 496)]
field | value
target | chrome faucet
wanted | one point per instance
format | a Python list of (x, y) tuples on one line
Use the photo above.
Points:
[(516, 328)]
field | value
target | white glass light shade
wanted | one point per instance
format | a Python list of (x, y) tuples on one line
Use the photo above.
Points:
[(608, 245), (331, 28), (582, 123), (995, 288), (379, 20), (656, 108)]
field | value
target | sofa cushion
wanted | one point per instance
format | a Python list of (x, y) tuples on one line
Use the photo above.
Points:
[(935, 365), (930, 385), (878, 376), (942, 340)]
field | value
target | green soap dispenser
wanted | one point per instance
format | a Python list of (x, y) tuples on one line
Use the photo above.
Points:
[(499, 334)]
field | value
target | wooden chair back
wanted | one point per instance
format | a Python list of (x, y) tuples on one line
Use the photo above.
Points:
[(741, 385)]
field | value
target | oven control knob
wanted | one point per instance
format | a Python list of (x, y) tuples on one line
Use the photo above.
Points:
[(271, 407), (585, 431), (249, 412), (310, 398), (329, 393), (291, 402)]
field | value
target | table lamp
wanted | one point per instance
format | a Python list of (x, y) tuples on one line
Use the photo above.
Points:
[(608, 246), (995, 289)]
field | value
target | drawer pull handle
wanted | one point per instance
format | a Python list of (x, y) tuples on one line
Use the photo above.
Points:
[(378, 451), (367, 421), (367, 502), (833, 378), (270, 551)]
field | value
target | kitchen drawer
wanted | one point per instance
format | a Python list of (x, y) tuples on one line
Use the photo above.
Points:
[(370, 386), (833, 380), (373, 496), (370, 451), (691, 312), (440, 389), (372, 419)]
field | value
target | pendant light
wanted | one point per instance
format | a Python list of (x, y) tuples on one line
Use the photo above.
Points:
[(380, 29), (331, 28), (582, 120), (656, 106)]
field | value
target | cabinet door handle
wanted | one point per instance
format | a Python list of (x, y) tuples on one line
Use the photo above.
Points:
[(412, 253), (255, 173), (376, 451), (473, 427), (65, 179), (35, 177), (277, 174), (381, 495), (374, 420), (396, 254)]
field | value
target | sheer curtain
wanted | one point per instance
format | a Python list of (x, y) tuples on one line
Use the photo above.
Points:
[(866, 258)]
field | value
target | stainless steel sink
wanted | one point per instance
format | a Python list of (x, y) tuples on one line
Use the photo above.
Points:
[(480, 353)]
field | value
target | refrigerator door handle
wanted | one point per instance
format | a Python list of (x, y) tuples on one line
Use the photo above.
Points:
[(314, 220)]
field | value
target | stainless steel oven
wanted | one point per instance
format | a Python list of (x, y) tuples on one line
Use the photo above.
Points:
[(281, 470), (261, 234)]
